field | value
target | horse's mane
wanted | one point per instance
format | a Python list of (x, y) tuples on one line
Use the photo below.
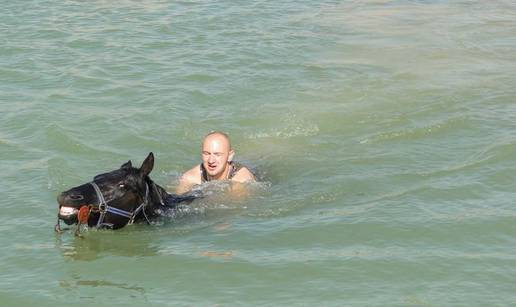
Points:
[(160, 197)]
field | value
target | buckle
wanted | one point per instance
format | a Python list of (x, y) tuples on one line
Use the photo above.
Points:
[(102, 207)]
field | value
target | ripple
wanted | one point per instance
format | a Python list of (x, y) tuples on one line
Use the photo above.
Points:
[(383, 132), (438, 127)]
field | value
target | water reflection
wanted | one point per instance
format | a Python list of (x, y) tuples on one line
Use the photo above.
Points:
[(97, 244), (77, 281)]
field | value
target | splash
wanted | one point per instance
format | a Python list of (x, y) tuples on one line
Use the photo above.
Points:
[(293, 127)]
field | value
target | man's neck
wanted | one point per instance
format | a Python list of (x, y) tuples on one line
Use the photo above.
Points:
[(223, 175)]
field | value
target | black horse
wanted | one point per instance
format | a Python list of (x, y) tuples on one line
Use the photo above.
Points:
[(118, 198)]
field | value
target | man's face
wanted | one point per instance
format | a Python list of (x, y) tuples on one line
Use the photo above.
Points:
[(215, 155)]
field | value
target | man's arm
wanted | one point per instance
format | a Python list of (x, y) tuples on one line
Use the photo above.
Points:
[(239, 190)]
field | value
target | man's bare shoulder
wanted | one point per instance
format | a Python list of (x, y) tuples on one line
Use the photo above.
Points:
[(189, 179), (243, 175), (192, 175)]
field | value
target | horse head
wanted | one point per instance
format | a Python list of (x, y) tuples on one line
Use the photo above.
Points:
[(111, 200)]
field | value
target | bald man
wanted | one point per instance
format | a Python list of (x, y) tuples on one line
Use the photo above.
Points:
[(217, 164)]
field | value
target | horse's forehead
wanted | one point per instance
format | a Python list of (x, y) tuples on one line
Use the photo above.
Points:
[(116, 175)]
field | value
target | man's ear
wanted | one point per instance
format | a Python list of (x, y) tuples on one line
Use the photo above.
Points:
[(128, 164), (147, 165), (231, 155)]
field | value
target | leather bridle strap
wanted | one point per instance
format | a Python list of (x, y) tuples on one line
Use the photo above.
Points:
[(105, 208)]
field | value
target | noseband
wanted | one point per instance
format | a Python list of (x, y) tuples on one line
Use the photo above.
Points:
[(104, 208)]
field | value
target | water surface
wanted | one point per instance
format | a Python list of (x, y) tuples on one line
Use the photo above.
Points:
[(383, 132)]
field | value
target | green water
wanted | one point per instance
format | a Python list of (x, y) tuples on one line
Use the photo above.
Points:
[(383, 132)]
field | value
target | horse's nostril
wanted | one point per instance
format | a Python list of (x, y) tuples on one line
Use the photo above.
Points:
[(76, 197)]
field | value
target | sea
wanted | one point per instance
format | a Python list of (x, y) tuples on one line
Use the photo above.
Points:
[(382, 133)]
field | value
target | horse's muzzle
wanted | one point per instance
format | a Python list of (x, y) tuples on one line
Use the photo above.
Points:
[(68, 215), (68, 208)]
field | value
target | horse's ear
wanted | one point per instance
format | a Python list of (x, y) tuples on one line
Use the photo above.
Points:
[(128, 164), (147, 165)]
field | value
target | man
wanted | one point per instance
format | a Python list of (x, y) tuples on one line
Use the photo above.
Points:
[(217, 164)]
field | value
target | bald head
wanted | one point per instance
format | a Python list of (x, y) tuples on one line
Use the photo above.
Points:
[(219, 137)]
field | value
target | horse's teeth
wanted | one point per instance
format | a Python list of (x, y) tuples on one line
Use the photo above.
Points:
[(64, 211)]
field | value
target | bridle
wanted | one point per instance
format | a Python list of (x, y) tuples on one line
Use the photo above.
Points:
[(104, 208)]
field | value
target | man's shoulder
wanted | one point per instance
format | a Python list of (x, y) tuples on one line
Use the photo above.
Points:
[(243, 175), (192, 175), (189, 179)]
